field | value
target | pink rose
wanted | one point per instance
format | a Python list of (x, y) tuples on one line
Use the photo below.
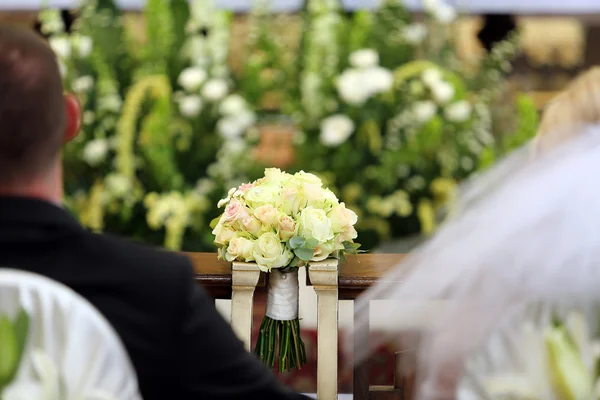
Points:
[(342, 218), (287, 228), (235, 211), (245, 187)]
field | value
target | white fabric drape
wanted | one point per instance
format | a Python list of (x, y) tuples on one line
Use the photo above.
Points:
[(86, 353)]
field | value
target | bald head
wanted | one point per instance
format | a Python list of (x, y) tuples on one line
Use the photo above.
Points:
[(32, 106)]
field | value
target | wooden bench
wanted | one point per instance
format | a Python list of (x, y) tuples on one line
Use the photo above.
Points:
[(355, 276)]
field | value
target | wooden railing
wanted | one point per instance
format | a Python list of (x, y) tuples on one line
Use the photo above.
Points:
[(353, 277)]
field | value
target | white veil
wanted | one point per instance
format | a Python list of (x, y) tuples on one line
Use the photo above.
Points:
[(526, 232)]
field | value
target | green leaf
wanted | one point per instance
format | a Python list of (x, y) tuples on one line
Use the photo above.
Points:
[(311, 243), (9, 355), (297, 242), (214, 222), (21, 331), (304, 254)]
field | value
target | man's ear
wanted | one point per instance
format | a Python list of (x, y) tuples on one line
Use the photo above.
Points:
[(73, 111)]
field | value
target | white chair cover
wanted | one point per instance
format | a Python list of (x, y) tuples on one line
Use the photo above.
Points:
[(72, 352)]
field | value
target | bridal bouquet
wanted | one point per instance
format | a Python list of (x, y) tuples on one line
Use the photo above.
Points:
[(556, 362), (282, 222)]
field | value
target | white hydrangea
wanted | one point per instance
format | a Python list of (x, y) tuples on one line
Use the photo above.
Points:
[(84, 45), (415, 33), (423, 111), (95, 151), (431, 76), (430, 5), (233, 104), (442, 92), (364, 58), (336, 129), (61, 47), (117, 185), (82, 84), (215, 90), (445, 13), (459, 111), (192, 78), (356, 86), (190, 106), (89, 117), (230, 127), (351, 89), (110, 102), (378, 80)]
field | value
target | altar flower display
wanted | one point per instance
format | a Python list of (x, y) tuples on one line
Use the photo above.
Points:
[(387, 96), (165, 130), (282, 222)]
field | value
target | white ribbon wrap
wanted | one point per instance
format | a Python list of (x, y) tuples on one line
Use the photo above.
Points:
[(282, 301)]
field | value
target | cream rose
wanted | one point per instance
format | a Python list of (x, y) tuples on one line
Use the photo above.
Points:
[(306, 177), (342, 218), (267, 214), (263, 194), (235, 210), (314, 223), (275, 175), (223, 234), (287, 227), (240, 248), (324, 250), (252, 225), (293, 200), (270, 253)]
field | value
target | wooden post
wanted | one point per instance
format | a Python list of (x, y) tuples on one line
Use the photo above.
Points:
[(324, 278), (244, 280)]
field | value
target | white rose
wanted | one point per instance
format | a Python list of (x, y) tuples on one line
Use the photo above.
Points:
[(192, 78), (351, 88), (270, 253), (415, 33), (423, 111), (335, 130), (431, 76), (314, 223), (294, 200), (302, 177), (84, 45), (458, 112), (442, 92), (95, 151), (215, 90), (83, 84), (275, 175), (233, 104), (240, 248), (61, 47), (364, 58), (263, 194), (444, 13), (190, 106), (378, 79)]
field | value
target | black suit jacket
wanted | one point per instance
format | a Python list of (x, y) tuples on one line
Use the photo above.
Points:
[(180, 346)]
